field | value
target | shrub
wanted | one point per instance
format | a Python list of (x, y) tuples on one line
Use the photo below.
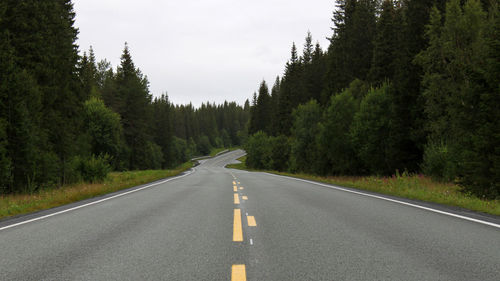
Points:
[(94, 169), (437, 162), (258, 148), (280, 153)]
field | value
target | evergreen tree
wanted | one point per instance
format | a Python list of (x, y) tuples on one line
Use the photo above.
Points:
[(385, 45), (461, 95), (132, 88), (351, 46)]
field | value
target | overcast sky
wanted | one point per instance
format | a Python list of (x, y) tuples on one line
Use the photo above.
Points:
[(202, 50)]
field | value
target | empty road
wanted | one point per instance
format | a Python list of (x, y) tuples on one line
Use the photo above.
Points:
[(214, 223)]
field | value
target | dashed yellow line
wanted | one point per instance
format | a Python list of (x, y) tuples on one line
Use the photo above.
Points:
[(236, 199), (237, 229), (244, 197), (238, 272), (251, 221)]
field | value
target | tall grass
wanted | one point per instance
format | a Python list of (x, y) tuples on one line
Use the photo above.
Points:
[(16, 204)]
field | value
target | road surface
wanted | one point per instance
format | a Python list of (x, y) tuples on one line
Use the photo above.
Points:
[(196, 227)]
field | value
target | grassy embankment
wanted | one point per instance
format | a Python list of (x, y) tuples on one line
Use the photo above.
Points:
[(16, 204), (417, 187)]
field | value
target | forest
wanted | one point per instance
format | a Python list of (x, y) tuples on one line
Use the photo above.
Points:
[(405, 86), (66, 118), (410, 86)]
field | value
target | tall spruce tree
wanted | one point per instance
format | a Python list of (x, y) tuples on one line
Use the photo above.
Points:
[(351, 46), (132, 89)]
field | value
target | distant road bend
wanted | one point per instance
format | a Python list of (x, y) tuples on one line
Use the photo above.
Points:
[(223, 224)]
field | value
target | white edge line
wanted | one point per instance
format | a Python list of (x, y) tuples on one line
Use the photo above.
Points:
[(95, 202), (392, 200)]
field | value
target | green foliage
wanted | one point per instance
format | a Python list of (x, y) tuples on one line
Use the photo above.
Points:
[(5, 162), (258, 148), (334, 140), (93, 169), (304, 156), (153, 156), (280, 153), (179, 151), (351, 48), (438, 162), (203, 146), (104, 127), (371, 129), (461, 95)]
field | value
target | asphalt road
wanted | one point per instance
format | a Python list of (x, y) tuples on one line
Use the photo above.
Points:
[(189, 228)]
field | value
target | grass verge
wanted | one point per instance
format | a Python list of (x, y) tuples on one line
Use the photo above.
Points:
[(416, 187), (16, 204)]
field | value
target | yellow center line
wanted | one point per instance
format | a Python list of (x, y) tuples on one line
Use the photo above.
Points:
[(238, 272), (244, 197), (237, 229), (235, 188), (236, 199), (251, 221)]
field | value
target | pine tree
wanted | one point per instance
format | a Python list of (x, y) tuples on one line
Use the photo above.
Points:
[(385, 45), (132, 89), (462, 97), (351, 46)]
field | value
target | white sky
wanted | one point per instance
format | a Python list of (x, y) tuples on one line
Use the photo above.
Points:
[(203, 50)]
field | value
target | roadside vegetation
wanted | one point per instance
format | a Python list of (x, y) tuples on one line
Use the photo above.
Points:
[(16, 204), (409, 86), (67, 116), (411, 186)]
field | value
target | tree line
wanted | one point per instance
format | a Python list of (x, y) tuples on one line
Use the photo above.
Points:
[(65, 118), (410, 85)]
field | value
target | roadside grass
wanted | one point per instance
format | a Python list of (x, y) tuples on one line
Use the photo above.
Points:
[(16, 204), (418, 187)]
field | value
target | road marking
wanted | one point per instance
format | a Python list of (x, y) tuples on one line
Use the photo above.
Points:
[(236, 199), (251, 221), (238, 272), (96, 202), (392, 200), (251, 241), (237, 229), (244, 197), (235, 188), (241, 188)]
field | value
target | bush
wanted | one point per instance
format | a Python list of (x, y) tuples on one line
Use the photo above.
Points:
[(280, 153), (438, 163), (154, 156), (203, 146), (304, 150), (334, 140), (94, 169), (258, 148), (371, 131)]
